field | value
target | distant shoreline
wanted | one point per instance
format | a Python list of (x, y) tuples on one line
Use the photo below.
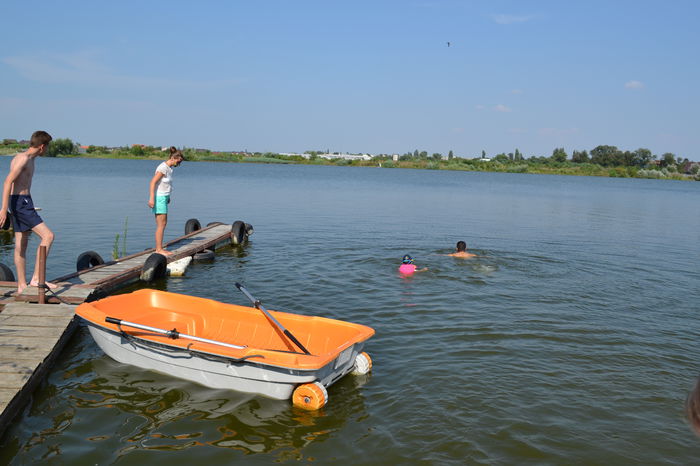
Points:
[(457, 164)]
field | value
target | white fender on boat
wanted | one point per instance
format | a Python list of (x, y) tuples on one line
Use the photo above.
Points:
[(363, 364)]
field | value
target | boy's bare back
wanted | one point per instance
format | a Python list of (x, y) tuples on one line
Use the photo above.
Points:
[(22, 167)]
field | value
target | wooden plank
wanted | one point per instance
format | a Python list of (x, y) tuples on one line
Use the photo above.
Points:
[(29, 310), (6, 395), (220, 228), (27, 354), (33, 321), (19, 366), (13, 380), (22, 332)]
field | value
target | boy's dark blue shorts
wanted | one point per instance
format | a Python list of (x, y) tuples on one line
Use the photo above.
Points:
[(24, 217)]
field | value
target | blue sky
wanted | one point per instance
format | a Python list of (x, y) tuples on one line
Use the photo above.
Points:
[(362, 76)]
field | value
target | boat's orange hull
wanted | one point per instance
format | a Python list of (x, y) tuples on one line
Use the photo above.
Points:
[(228, 323)]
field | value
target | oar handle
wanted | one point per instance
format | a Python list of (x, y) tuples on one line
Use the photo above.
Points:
[(242, 289), (174, 334), (258, 304)]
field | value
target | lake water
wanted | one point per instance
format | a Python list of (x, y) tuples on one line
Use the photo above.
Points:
[(572, 338)]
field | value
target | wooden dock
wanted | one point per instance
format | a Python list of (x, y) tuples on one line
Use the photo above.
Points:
[(33, 335), (31, 338), (100, 281)]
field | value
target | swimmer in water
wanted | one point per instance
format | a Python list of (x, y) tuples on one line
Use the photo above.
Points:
[(462, 251), (407, 266)]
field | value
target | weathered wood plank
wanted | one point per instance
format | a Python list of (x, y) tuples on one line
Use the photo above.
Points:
[(6, 394), (14, 380), (52, 321), (15, 309), (26, 355), (23, 332), (19, 366)]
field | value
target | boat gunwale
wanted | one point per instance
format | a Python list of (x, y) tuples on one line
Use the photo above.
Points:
[(290, 360)]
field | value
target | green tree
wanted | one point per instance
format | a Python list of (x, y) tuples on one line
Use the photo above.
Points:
[(559, 155), (423, 154), (668, 159), (517, 156), (579, 156), (61, 147), (642, 157), (450, 156), (137, 150), (483, 154), (416, 154), (606, 156), (437, 156), (503, 158)]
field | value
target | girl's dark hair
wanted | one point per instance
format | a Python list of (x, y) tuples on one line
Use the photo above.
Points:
[(175, 153)]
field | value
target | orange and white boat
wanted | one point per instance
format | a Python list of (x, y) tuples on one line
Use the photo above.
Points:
[(276, 354)]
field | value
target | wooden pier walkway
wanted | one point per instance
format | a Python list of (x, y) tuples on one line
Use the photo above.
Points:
[(100, 281), (33, 335), (31, 338)]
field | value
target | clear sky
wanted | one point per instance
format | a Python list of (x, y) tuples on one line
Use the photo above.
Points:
[(355, 76)]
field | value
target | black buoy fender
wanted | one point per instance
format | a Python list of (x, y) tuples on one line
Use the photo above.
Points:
[(192, 225), (88, 260), (6, 274), (205, 255), (154, 268), (238, 233)]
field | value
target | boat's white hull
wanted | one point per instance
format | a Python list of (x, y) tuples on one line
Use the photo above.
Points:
[(251, 376)]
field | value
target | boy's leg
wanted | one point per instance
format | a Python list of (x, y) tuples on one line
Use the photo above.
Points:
[(161, 222), (21, 241), (46, 236)]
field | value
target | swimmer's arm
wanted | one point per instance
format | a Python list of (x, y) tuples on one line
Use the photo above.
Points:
[(152, 189), (424, 269)]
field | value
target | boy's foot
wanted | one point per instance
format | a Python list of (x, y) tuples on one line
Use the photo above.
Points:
[(52, 286), (21, 288), (165, 252)]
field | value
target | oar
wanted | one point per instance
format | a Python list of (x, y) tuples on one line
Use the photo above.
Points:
[(258, 304), (174, 334)]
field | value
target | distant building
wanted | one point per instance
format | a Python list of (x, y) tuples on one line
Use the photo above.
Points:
[(346, 156), (292, 154), (395, 157)]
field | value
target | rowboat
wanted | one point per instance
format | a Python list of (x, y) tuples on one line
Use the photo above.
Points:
[(249, 349)]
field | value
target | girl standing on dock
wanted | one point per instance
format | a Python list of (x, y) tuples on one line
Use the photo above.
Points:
[(160, 189)]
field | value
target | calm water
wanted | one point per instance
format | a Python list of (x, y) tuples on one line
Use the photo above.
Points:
[(573, 338)]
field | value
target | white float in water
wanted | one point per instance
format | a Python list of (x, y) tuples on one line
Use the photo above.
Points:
[(177, 268)]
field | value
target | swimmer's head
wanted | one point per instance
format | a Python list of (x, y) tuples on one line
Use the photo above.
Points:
[(461, 246), (407, 259)]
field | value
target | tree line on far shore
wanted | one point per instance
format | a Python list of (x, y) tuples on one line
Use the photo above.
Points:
[(638, 163)]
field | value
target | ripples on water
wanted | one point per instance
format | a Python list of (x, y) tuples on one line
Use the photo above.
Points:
[(572, 338)]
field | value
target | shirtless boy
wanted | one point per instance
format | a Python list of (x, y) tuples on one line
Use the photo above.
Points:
[(17, 196), (462, 251)]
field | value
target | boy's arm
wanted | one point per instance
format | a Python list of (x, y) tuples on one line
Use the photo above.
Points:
[(152, 189), (15, 169)]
